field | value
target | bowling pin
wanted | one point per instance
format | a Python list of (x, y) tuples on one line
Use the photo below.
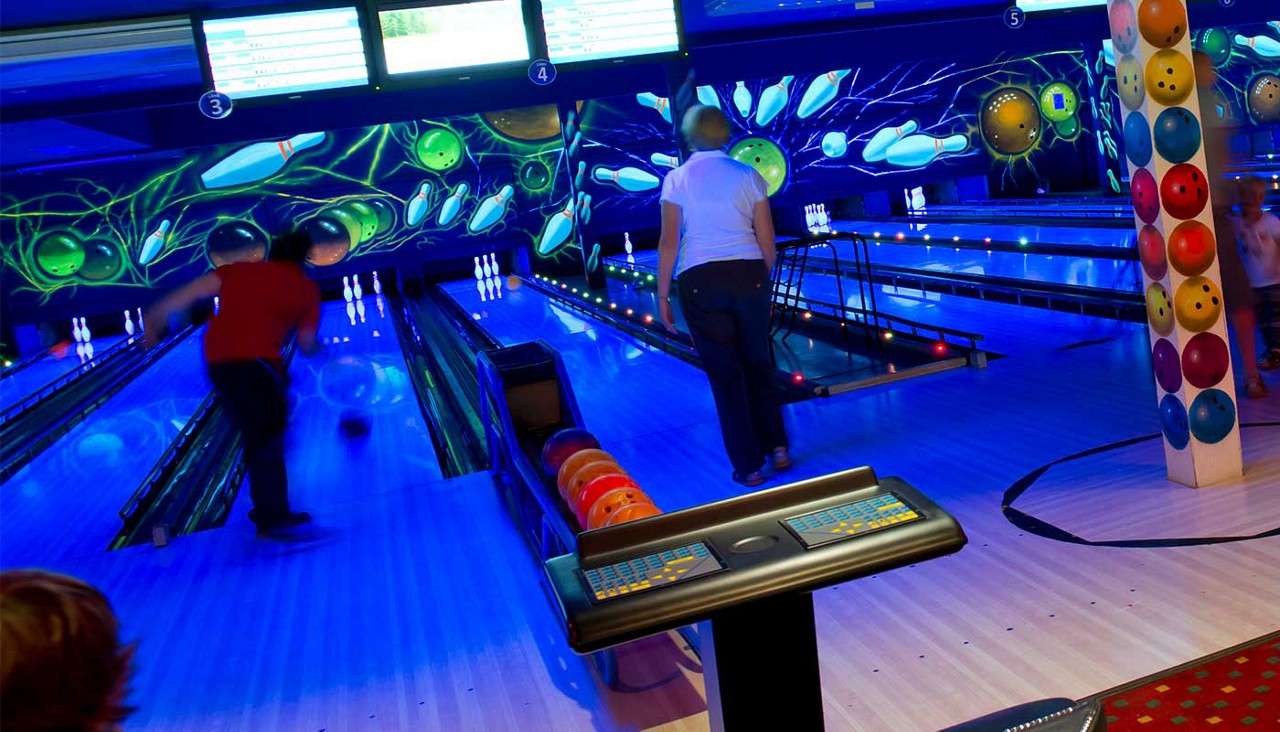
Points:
[(707, 96), (382, 308), (360, 309), (581, 177), (662, 160), (808, 218), (377, 286), (586, 209), (479, 271), (480, 289), (626, 241), (825, 217), (141, 327), (491, 210), (659, 104), (88, 350), (452, 205), (576, 145), (629, 179), (1264, 46), (820, 93), (347, 294), (217, 305), (355, 287), (493, 256), (351, 312), (884, 138), (497, 287), (257, 161), (80, 352), (556, 231), (75, 331), (919, 150), (488, 286), (415, 209), (152, 245), (484, 260), (128, 322), (742, 99), (84, 330), (772, 101)]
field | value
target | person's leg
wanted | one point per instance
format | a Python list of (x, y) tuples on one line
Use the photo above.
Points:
[(1268, 299), (254, 398), (713, 328), (752, 300)]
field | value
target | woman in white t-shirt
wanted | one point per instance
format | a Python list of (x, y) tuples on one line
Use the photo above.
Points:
[(718, 241), (1259, 235)]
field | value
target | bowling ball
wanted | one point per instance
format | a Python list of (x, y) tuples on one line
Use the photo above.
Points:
[(592, 491), (765, 157), (584, 475), (1162, 22), (386, 214), (1068, 128), (532, 124), (1151, 252), (330, 240), (350, 382), (349, 222), (1146, 197), (1197, 303), (1177, 134), (1059, 102), (102, 260), (1212, 416), (235, 241), (1137, 139), (366, 215), (1173, 422), (1170, 77), (1129, 82), (631, 512), (1010, 121), (59, 254), (1264, 98), (1192, 248), (1184, 190), (835, 144), (612, 502), (1216, 44), (1205, 360), (1124, 26), (1164, 361), (563, 444), (439, 149), (576, 461), (353, 424), (534, 175), (1159, 309)]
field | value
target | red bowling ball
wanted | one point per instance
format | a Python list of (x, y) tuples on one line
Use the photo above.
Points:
[(1191, 248), (1205, 360), (1151, 252), (564, 443), (1184, 190), (1146, 196)]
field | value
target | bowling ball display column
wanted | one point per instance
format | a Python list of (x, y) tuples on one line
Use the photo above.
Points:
[(1174, 217)]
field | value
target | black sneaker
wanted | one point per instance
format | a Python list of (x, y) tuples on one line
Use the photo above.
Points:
[(284, 523), (750, 480)]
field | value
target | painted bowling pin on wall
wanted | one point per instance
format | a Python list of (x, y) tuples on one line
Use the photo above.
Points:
[(917, 151), (452, 205), (773, 100), (491, 210), (662, 160), (258, 161), (821, 92), (632, 180), (742, 99), (707, 96), (875, 150), (154, 242), (1263, 46), (556, 231), (415, 211), (661, 105)]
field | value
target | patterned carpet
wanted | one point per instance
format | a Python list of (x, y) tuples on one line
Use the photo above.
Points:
[(1237, 689)]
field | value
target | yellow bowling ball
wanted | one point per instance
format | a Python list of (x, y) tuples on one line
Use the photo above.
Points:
[(1129, 82), (1198, 303), (1159, 309), (1170, 77)]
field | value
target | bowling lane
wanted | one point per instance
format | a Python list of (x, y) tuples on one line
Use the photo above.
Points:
[(65, 502), (52, 365), (977, 232)]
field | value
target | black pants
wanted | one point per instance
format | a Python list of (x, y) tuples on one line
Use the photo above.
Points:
[(726, 305), (253, 395)]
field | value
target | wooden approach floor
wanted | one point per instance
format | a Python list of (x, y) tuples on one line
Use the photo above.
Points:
[(414, 605)]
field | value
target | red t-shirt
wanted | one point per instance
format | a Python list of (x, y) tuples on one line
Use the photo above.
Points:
[(261, 303)]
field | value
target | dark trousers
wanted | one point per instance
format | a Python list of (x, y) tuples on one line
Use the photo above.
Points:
[(1268, 304), (726, 306), (253, 395)]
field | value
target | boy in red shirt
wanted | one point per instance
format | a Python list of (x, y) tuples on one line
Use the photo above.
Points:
[(261, 304)]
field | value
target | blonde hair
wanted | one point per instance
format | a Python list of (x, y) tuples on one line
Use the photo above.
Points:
[(705, 128)]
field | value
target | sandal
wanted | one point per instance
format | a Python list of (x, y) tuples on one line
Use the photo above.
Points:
[(1254, 388)]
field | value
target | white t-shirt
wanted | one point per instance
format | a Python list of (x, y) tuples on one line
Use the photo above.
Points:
[(717, 196), (1261, 244)]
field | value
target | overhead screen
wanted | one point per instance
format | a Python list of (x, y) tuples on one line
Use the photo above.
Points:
[(435, 37), (1035, 6), (712, 16), (286, 53), (596, 30)]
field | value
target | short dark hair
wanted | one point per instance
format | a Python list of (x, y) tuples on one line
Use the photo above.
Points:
[(292, 246), (62, 666)]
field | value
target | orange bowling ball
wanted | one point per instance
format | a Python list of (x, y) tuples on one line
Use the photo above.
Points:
[(1162, 22), (575, 462), (632, 512), (591, 492), (610, 503), (584, 475)]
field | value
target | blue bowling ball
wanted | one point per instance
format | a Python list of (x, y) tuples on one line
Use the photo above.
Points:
[(1177, 135), (1173, 422), (1137, 139), (1212, 416)]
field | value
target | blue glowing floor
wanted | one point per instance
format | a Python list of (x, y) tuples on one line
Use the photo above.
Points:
[(52, 365), (972, 233)]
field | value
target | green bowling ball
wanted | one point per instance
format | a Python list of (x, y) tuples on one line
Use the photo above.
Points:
[(1067, 129), (102, 260), (349, 222), (59, 254), (1216, 44), (765, 157), (367, 216), (439, 149), (534, 175), (386, 214), (1058, 102)]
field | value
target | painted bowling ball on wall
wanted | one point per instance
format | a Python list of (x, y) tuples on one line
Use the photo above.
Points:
[(1067, 129), (102, 260), (1212, 416), (1192, 248), (1145, 194), (1058, 102), (59, 254), (1184, 191), (534, 175), (765, 157), (366, 216), (1124, 26), (1162, 22), (386, 214), (1010, 121), (1216, 44), (1151, 252), (330, 240), (1197, 303), (1170, 77), (1173, 422), (1129, 82), (1264, 98), (530, 124), (236, 241), (1177, 134), (1137, 139), (1164, 361), (439, 149), (348, 221), (1159, 309), (1205, 360)]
